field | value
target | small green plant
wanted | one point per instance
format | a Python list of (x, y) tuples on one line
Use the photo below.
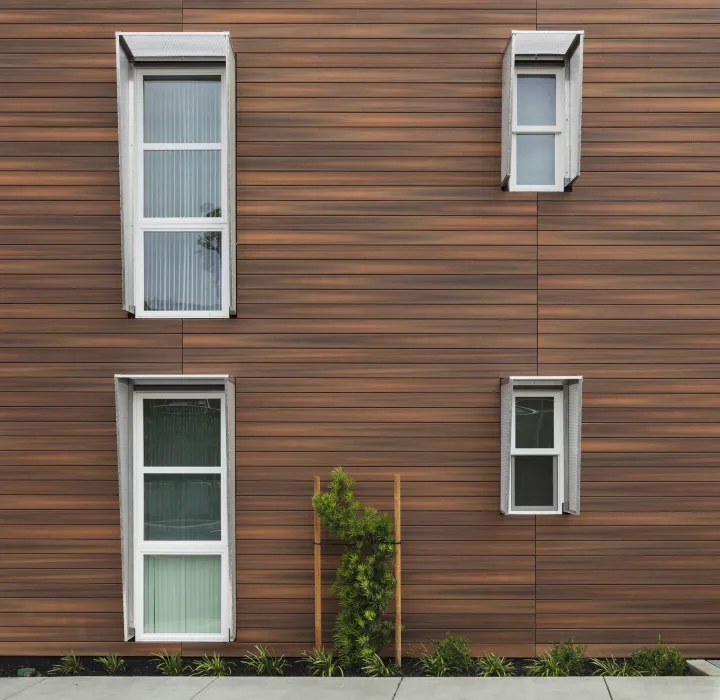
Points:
[(212, 666), (364, 582), (171, 664), (613, 667), (660, 660), (564, 659), (498, 666), (113, 664), (70, 665), (450, 658), (376, 667), (264, 663), (322, 663)]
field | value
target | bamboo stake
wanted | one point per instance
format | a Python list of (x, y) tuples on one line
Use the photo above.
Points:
[(398, 574), (318, 572)]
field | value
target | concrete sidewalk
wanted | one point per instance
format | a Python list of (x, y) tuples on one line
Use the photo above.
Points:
[(158, 688)]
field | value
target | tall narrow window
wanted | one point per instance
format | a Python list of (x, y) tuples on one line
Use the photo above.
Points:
[(177, 160), (180, 525)]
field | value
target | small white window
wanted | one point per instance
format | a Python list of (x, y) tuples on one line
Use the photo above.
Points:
[(537, 469), (176, 117), (540, 427), (176, 470), (542, 90)]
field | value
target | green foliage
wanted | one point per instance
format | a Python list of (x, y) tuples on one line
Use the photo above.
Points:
[(660, 660), (264, 663), (373, 665), (112, 664), (613, 667), (450, 658), (70, 665), (364, 583), (322, 663), (498, 666), (170, 664), (564, 659), (212, 666)]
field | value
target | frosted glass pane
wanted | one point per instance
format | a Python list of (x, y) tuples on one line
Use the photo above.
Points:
[(183, 270), (534, 422), (181, 110), (182, 594), (182, 507), (181, 432), (535, 159), (182, 184), (536, 100)]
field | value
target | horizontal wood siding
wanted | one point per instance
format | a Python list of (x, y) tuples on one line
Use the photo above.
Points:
[(384, 286)]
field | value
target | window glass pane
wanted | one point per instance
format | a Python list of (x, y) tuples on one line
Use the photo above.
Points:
[(181, 432), (182, 184), (535, 482), (536, 100), (182, 270), (181, 110), (182, 507), (535, 159), (534, 422), (182, 594)]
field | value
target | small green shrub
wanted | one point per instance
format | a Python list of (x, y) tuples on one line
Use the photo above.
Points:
[(660, 660), (450, 658), (113, 664), (322, 663), (264, 663), (613, 667), (212, 666), (564, 659), (364, 582), (171, 664), (498, 666), (70, 665), (375, 667)]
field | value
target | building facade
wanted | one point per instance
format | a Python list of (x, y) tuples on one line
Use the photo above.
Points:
[(368, 284)]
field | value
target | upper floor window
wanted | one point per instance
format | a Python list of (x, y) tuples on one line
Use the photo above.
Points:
[(542, 88), (177, 174)]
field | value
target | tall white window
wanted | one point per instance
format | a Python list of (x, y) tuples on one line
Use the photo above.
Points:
[(538, 129), (541, 111), (176, 110), (180, 521), (176, 451)]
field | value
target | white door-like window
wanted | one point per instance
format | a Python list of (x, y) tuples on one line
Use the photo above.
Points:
[(538, 153), (537, 452), (181, 523), (181, 217)]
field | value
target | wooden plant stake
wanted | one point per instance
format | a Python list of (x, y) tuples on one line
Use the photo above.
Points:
[(398, 574), (318, 572)]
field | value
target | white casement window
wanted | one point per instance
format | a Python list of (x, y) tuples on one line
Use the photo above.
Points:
[(540, 424), (176, 115), (177, 481), (542, 111)]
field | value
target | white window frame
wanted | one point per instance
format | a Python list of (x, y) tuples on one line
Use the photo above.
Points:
[(202, 224), (557, 451), (144, 547), (559, 129)]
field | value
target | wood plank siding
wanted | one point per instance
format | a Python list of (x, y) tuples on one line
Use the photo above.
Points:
[(385, 284)]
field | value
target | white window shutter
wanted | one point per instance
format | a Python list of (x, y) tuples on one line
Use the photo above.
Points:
[(507, 111), (230, 438), (123, 414), (575, 111), (125, 80), (573, 395), (506, 395), (230, 80)]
